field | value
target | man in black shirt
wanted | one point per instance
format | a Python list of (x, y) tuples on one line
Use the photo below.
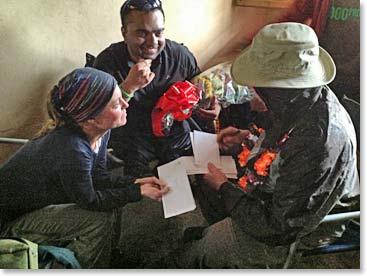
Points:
[(145, 65)]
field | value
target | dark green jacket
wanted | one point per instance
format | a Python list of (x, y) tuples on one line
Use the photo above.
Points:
[(314, 171)]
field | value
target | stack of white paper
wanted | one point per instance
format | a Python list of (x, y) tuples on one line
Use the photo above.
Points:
[(227, 165), (180, 199)]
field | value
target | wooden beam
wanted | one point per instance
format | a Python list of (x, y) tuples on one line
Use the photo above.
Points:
[(283, 4)]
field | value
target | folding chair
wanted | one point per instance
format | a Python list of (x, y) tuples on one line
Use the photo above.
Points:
[(349, 241)]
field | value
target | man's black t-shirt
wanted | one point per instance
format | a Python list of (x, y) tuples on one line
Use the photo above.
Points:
[(175, 63), (135, 141)]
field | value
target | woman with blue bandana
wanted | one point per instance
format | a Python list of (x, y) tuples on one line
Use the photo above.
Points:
[(56, 189)]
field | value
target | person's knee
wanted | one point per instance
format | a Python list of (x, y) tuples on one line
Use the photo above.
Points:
[(216, 249), (102, 221), (93, 244)]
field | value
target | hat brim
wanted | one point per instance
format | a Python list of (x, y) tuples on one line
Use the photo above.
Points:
[(244, 72)]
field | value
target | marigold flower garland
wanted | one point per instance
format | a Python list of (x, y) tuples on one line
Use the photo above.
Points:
[(261, 166)]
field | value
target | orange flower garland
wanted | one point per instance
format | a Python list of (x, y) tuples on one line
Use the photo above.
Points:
[(243, 156), (258, 129), (261, 167), (242, 182), (263, 163)]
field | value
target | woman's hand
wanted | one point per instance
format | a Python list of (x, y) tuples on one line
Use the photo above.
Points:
[(152, 187), (231, 136), (215, 178)]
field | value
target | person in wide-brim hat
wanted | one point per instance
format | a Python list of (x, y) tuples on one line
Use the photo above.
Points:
[(301, 165), (284, 55)]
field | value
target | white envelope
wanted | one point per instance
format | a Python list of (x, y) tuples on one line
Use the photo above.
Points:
[(179, 199), (205, 148)]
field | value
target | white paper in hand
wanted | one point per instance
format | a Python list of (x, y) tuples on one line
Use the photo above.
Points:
[(179, 199), (205, 148)]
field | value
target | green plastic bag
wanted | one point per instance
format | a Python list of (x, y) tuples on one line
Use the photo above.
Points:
[(18, 253)]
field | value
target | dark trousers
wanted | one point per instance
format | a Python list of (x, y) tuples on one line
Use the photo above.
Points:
[(223, 244), (138, 151), (87, 233)]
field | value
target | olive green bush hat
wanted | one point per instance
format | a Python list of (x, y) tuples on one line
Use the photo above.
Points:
[(284, 55)]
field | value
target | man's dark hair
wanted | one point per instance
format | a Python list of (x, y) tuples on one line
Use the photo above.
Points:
[(139, 5)]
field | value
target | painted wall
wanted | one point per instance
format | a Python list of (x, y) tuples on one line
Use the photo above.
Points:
[(42, 40)]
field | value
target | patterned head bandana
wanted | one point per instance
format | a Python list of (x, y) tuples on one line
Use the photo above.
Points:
[(83, 94)]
